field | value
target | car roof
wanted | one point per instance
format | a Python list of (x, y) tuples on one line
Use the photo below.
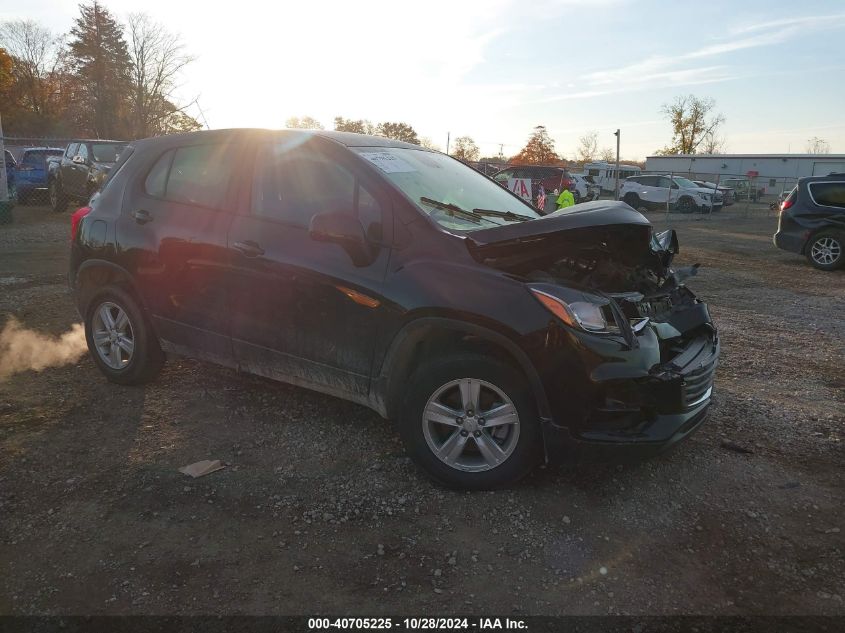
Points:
[(349, 139), (95, 140), (49, 149)]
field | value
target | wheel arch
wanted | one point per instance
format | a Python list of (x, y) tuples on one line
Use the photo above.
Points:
[(426, 337), (94, 274)]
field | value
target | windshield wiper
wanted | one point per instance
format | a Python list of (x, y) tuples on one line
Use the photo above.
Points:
[(510, 215), (455, 210)]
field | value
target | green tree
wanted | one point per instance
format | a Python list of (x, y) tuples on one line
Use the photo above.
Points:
[(101, 60), (398, 132), (358, 126), (539, 150), (466, 149), (693, 121), (303, 123)]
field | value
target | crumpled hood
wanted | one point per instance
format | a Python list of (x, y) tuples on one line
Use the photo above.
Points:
[(594, 230)]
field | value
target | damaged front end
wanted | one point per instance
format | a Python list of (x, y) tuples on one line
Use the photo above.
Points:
[(631, 357)]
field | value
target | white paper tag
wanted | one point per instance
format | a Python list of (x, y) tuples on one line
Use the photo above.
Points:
[(387, 162)]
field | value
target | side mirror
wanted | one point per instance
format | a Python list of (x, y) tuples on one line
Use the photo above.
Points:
[(78, 160), (344, 229)]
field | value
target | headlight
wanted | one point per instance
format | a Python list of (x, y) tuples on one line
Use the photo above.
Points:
[(704, 196), (585, 315)]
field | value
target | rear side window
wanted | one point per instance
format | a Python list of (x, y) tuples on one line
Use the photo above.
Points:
[(198, 174), (828, 194)]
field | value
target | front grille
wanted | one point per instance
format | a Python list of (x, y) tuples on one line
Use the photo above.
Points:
[(697, 363)]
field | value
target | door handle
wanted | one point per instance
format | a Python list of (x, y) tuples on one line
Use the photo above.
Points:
[(248, 248), (141, 216)]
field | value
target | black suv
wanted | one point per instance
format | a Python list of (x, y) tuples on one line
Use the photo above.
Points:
[(812, 221), (401, 279), (80, 170)]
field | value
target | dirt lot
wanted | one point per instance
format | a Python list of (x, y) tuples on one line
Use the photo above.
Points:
[(318, 510)]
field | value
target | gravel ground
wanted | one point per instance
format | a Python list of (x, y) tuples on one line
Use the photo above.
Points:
[(319, 511)]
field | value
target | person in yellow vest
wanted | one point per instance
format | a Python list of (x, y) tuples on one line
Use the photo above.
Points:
[(565, 199)]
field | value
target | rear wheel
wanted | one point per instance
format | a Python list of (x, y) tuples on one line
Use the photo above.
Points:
[(632, 200), (120, 339), (686, 205), (58, 199), (470, 422), (826, 250)]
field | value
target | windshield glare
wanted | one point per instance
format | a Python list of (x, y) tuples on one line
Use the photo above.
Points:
[(437, 177), (107, 152), (686, 184)]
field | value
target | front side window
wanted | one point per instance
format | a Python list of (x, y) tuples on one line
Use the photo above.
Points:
[(456, 196), (200, 175), (828, 194), (71, 150), (294, 183), (82, 151)]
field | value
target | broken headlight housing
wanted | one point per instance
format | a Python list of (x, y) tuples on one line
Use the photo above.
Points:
[(577, 309)]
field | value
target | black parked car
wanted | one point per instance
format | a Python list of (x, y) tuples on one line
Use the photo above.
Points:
[(401, 279), (80, 171), (812, 221)]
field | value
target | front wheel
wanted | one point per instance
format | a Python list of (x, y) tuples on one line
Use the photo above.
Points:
[(120, 340), (826, 250), (632, 200), (58, 199), (686, 205), (470, 422)]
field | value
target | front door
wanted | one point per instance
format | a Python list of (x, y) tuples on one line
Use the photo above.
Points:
[(76, 176), (302, 311)]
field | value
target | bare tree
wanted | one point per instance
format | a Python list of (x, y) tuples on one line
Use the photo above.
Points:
[(426, 142), (817, 145), (693, 120), (39, 60), (713, 144), (588, 147), (158, 59), (608, 155)]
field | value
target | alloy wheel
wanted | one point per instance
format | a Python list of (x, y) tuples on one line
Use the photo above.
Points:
[(826, 251), (113, 335), (470, 425)]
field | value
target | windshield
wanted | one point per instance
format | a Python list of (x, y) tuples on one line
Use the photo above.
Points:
[(456, 196), (38, 156), (686, 184), (107, 152)]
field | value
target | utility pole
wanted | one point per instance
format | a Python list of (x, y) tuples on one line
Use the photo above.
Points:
[(618, 135), (448, 136)]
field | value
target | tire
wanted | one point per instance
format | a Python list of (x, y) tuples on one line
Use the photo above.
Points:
[(134, 366), (632, 200), (686, 205), (58, 199), (517, 443), (826, 250)]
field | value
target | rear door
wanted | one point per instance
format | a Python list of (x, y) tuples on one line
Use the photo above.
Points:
[(173, 233), (302, 312)]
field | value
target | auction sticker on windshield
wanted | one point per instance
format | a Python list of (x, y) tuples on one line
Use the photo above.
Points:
[(387, 162)]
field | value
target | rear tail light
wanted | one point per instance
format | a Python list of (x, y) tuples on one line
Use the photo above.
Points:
[(75, 219), (787, 203)]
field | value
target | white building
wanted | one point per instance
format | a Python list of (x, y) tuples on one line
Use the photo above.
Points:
[(772, 173)]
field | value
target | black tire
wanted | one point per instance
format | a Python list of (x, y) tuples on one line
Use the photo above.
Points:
[(632, 200), (826, 250), (58, 199), (146, 359), (686, 205), (432, 376)]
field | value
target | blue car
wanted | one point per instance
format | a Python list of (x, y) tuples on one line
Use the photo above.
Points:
[(31, 172)]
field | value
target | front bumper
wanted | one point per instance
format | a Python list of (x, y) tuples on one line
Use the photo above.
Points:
[(637, 402)]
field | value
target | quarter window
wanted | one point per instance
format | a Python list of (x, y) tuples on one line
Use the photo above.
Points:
[(828, 194), (156, 183)]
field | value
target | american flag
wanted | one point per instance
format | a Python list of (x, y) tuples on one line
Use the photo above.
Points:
[(541, 198)]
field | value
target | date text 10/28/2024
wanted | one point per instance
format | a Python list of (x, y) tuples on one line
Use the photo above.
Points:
[(413, 624)]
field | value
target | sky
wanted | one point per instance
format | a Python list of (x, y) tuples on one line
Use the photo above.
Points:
[(494, 69)]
